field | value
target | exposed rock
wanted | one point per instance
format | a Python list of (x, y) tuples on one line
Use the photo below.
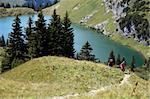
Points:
[(87, 18), (102, 27), (76, 7)]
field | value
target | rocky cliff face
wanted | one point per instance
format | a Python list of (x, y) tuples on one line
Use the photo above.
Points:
[(129, 30)]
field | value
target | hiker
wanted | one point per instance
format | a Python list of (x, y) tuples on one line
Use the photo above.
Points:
[(122, 66), (110, 62)]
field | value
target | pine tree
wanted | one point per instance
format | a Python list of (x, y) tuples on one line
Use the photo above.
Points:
[(42, 35), (112, 56), (118, 61), (55, 36), (86, 53), (132, 64), (123, 59), (15, 52), (7, 41), (29, 29), (68, 37), (148, 64), (2, 41), (31, 40)]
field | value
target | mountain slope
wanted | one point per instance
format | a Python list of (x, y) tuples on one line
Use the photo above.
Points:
[(51, 76), (15, 11), (91, 12)]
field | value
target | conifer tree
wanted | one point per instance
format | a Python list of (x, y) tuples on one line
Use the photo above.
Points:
[(86, 53), (55, 36), (68, 37), (15, 52), (118, 61), (123, 59), (132, 64), (7, 41), (2, 41), (42, 35), (31, 40), (148, 64)]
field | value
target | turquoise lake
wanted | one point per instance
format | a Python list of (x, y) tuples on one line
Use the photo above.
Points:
[(101, 44)]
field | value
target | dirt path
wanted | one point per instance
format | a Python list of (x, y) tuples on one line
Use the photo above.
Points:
[(94, 92)]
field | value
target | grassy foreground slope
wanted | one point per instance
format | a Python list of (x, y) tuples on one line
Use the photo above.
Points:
[(79, 9), (51, 76), (133, 88)]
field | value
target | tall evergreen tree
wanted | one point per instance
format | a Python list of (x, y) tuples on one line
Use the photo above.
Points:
[(55, 35), (2, 41), (86, 53), (42, 35), (31, 38), (118, 61), (68, 37), (15, 52), (132, 64), (148, 64)]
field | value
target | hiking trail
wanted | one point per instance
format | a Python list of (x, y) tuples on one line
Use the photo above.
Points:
[(94, 92)]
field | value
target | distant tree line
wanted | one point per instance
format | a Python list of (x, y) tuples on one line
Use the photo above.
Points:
[(7, 5), (30, 4)]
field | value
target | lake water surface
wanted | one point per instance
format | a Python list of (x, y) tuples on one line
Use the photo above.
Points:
[(101, 44)]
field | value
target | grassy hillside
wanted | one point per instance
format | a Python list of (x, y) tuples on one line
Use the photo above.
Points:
[(15, 11), (58, 77), (134, 88), (51, 76), (79, 9)]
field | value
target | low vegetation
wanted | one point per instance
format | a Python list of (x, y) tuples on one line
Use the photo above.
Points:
[(51, 76)]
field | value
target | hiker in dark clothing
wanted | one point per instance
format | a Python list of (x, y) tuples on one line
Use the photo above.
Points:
[(110, 62)]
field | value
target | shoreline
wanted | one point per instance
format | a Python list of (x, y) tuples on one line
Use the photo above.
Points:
[(118, 35), (128, 42)]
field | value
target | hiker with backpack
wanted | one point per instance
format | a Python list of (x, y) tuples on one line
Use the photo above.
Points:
[(122, 65)]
